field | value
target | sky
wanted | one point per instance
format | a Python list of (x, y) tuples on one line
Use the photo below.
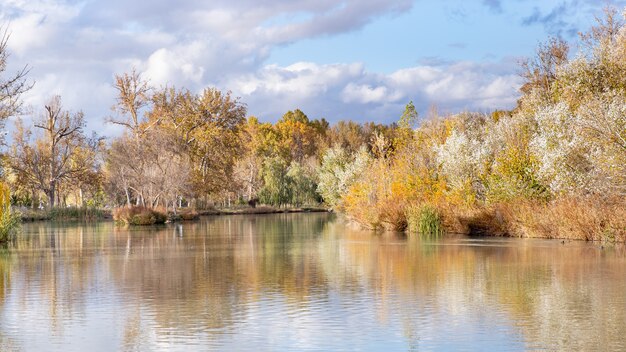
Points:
[(336, 59)]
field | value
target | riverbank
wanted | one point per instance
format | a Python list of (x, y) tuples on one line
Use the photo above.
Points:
[(64, 214), (566, 218), (94, 214), (261, 210)]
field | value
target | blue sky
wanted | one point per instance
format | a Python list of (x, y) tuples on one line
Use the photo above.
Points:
[(349, 59)]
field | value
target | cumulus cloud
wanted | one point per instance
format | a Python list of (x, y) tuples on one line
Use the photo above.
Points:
[(75, 47), (350, 91)]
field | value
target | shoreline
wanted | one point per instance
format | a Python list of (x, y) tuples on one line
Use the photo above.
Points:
[(106, 214), (262, 210)]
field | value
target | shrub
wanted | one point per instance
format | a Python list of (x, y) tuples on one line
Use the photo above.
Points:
[(9, 222), (187, 215), (138, 216)]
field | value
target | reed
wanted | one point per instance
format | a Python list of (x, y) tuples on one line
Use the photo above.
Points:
[(425, 220), (9, 222)]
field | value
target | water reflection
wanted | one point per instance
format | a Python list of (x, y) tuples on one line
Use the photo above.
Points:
[(304, 282)]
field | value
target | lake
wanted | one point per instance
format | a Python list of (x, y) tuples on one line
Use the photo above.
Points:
[(303, 282)]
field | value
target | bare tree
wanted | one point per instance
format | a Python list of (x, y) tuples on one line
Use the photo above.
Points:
[(133, 94), (54, 156), (10, 87), (539, 72)]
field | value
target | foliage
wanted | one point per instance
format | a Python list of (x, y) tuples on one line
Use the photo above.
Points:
[(9, 222), (287, 185), (61, 155), (338, 171)]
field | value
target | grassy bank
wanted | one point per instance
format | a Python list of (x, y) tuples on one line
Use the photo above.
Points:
[(588, 219), (64, 214)]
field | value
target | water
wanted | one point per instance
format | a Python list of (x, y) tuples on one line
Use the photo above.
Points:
[(303, 282)]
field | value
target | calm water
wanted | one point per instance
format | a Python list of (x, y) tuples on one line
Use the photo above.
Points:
[(303, 282)]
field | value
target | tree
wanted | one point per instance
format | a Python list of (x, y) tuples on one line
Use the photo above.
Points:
[(339, 170), (277, 185), (11, 87), (162, 176), (53, 157), (216, 142), (540, 72), (298, 136), (406, 126), (133, 94), (247, 170)]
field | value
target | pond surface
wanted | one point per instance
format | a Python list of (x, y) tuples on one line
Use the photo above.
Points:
[(303, 282)]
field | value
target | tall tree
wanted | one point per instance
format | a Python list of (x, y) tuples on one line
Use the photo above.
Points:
[(53, 157), (133, 94)]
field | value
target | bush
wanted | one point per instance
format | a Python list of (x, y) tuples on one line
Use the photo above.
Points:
[(188, 215), (9, 222), (138, 216)]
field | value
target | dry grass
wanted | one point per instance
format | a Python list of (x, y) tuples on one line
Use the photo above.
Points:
[(576, 218), (393, 215), (579, 218)]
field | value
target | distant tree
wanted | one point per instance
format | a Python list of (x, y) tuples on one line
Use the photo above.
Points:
[(277, 185), (348, 135), (338, 171), (540, 72), (406, 125), (133, 94)]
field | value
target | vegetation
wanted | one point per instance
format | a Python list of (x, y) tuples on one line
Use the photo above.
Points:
[(555, 166), (426, 221), (138, 215), (63, 214), (9, 221)]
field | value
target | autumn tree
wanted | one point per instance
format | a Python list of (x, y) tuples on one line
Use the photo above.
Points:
[(133, 95), (298, 136), (207, 126), (247, 170), (55, 154)]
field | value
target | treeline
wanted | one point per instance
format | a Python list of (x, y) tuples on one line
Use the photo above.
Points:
[(178, 149)]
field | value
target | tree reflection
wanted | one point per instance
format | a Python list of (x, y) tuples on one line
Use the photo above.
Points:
[(210, 277)]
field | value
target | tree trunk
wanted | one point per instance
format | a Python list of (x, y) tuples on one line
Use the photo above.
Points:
[(51, 194)]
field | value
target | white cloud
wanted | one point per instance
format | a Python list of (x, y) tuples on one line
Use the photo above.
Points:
[(353, 93), (177, 66), (350, 91), (76, 47)]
